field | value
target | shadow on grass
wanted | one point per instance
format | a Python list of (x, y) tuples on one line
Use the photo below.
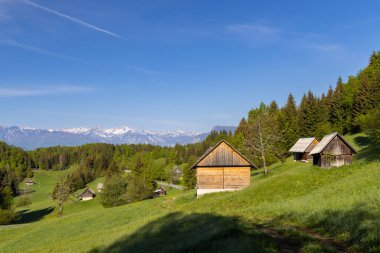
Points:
[(370, 153), (177, 232), (25, 192), (362, 140), (27, 217), (358, 227)]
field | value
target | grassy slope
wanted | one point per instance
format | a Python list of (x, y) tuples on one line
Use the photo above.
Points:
[(343, 203)]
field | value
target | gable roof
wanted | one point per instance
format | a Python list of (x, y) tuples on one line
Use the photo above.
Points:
[(87, 191), (159, 189), (230, 159), (326, 140), (302, 144)]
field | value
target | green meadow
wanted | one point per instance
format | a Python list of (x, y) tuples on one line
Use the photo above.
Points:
[(297, 206)]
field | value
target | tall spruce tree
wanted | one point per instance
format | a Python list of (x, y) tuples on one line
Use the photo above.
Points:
[(289, 123), (338, 112)]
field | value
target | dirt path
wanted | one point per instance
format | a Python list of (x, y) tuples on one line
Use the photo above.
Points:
[(287, 244)]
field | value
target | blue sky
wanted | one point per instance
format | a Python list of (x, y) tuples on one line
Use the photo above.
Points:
[(172, 64)]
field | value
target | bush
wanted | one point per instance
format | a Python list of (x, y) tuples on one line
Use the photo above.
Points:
[(7, 216), (113, 193), (24, 201)]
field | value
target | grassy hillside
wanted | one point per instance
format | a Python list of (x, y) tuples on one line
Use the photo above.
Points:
[(296, 206)]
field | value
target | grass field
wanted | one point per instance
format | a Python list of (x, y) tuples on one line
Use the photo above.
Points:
[(297, 206)]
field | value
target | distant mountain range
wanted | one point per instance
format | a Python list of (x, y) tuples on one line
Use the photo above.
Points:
[(31, 138)]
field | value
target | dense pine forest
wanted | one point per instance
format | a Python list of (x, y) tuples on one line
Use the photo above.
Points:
[(264, 136)]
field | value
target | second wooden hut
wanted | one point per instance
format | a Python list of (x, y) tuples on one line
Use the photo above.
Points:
[(332, 151), (301, 149)]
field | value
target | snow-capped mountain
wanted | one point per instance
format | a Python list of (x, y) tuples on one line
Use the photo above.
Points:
[(31, 138)]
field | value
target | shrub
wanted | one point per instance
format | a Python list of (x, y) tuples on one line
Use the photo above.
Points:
[(7, 216), (113, 193), (24, 201)]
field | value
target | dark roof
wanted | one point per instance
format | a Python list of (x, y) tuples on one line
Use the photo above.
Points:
[(159, 189), (87, 192), (326, 140), (213, 148)]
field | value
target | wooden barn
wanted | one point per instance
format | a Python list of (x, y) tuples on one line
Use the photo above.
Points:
[(332, 151), (87, 194), (302, 148), (29, 182), (159, 192), (222, 168)]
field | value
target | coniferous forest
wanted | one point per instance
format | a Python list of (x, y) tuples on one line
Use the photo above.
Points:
[(264, 136)]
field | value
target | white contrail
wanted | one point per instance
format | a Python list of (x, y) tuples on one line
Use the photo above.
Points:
[(72, 19), (14, 43)]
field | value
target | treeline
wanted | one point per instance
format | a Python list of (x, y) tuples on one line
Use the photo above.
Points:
[(15, 165), (349, 107)]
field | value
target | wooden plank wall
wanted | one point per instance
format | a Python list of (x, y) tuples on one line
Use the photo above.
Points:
[(335, 161), (337, 147), (223, 177), (210, 178), (236, 178), (221, 156)]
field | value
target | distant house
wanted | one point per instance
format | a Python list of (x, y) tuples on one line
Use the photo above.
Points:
[(99, 187), (87, 194), (29, 182), (159, 192), (302, 148), (332, 151), (222, 168), (177, 171)]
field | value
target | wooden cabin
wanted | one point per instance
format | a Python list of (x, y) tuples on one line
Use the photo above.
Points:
[(302, 148), (159, 192), (332, 151), (87, 194), (29, 182), (222, 168)]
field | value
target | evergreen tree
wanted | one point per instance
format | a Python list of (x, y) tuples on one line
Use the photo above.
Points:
[(141, 184), (307, 115), (289, 123), (189, 178), (338, 112)]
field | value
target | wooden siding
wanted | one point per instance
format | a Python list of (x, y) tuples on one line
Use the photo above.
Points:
[(223, 155), (236, 178), (335, 161), (302, 156), (311, 146), (336, 147), (223, 177), (210, 178), (335, 154)]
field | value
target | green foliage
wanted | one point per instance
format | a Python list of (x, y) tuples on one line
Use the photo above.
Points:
[(189, 178), (114, 191), (7, 214), (141, 183), (262, 135), (61, 194), (24, 200)]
